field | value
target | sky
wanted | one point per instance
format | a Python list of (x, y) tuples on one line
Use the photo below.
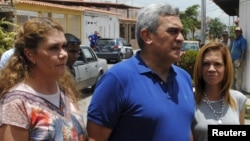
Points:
[(212, 10)]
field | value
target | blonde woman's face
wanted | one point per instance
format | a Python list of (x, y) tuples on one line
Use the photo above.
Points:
[(213, 68), (51, 57)]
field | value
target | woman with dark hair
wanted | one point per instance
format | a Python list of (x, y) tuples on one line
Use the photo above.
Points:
[(37, 92), (216, 102)]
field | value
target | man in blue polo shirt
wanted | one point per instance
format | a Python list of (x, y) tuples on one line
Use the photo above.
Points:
[(93, 38), (238, 54), (146, 97)]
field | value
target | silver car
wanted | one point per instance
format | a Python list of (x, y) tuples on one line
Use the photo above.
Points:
[(89, 68), (189, 45), (113, 49)]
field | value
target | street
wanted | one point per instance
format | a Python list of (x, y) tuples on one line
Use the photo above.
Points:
[(86, 97), (84, 103)]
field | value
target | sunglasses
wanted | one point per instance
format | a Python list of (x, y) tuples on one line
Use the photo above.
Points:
[(237, 31)]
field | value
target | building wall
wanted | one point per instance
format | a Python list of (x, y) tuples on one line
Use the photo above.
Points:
[(244, 19), (106, 25), (78, 22)]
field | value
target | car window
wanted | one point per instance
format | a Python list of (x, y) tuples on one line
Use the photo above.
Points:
[(119, 42), (189, 46), (81, 57), (105, 42), (100, 42), (125, 43), (89, 56), (111, 42)]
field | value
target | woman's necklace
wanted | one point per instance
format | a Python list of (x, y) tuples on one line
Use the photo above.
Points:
[(218, 114)]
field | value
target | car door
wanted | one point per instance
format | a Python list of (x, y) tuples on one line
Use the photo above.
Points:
[(81, 70), (128, 51), (92, 65), (120, 45)]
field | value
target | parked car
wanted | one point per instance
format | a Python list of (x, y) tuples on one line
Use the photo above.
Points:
[(89, 68), (113, 49), (189, 45)]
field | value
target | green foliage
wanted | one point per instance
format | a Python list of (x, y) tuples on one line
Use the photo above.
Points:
[(231, 32), (216, 27), (6, 37), (189, 20), (187, 61)]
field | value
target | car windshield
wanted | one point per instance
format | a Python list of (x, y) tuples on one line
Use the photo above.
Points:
[(189, 46), (105, 42)]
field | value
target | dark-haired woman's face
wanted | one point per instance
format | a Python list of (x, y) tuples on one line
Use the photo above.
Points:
[(213, 68)]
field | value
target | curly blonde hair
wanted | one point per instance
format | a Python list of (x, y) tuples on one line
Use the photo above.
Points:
[(29, 35)]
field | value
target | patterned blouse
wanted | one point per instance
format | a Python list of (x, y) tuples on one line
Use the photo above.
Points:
[(44, 120)]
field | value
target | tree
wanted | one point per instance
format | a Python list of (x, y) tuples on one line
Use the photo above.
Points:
[(216, 27), (6, 37), (189, 20)]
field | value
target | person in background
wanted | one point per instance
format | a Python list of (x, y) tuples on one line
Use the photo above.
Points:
[(73, 48), (6, 56), (226, 40), (147, 97), (93, 38), (238, 54), (216, 103), (37, 92)]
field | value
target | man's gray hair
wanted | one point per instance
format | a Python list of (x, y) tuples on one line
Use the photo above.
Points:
[(148, 18)]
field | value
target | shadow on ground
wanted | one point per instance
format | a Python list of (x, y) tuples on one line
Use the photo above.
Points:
[(86, 93)]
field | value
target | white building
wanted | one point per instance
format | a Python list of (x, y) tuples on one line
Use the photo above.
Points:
[(240, 8)]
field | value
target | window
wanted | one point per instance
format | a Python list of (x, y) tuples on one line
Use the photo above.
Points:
[(89, 55)]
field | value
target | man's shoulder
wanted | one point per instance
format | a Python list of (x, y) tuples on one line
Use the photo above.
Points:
[(9, 52), (6, 55), (91, 35)]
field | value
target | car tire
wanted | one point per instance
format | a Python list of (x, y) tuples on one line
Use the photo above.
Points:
[(120, 58), (132, 53)]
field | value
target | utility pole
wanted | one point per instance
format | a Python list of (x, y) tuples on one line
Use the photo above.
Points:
[(116, 6), (203, 21)]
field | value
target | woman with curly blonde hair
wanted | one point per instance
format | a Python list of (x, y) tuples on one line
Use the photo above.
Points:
[(37, 92)]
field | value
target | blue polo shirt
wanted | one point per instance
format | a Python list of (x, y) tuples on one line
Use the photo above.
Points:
[(132, 100), (239, 45)]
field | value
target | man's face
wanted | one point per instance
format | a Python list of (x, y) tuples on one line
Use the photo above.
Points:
[(237, 33), (225, 37), (166, 44), (73, 53)]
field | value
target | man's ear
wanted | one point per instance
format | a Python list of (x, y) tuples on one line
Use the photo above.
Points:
[(146, 36)]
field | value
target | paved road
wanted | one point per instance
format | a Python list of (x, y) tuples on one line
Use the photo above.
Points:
[(83, 104)]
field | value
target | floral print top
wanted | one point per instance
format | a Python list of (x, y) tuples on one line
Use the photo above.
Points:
[(44, 120)]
